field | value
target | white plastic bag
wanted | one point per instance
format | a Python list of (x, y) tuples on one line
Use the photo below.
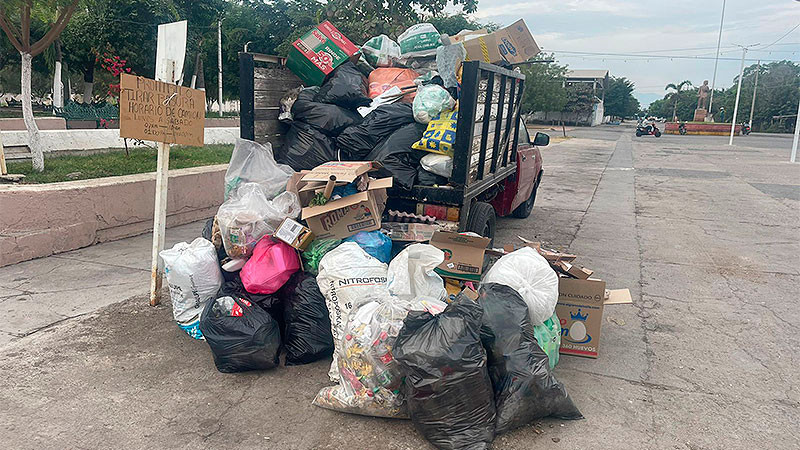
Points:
[(430, 101), (528, 273), (249, 215), (419, 40), (348, 276), (193, 275), (381, 51), (411, 274), (438, 164), (448, 61), (252, 162)]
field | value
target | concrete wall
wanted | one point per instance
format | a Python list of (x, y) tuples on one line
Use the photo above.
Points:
[(56, 141), (40, 220)]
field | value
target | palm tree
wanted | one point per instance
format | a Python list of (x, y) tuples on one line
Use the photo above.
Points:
[(677, 88)]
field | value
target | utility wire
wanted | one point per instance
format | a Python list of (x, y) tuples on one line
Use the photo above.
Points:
[(781, 38)]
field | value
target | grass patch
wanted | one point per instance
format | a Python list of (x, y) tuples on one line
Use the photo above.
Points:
[(141, 160)]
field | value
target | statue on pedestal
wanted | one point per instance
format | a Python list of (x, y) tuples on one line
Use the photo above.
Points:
[(702, 95)]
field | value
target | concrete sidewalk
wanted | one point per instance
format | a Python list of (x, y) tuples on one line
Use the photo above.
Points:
[(34, 295)]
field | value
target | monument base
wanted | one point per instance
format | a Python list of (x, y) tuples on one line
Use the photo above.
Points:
[(704, 128), (700, 115), (709, 118)]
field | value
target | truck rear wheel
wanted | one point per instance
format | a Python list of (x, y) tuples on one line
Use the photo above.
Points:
[(481, 220)]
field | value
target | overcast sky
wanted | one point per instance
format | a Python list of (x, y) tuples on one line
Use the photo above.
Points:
[(651, 27)]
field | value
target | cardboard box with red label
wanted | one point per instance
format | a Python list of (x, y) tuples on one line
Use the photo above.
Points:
[(314, 56)]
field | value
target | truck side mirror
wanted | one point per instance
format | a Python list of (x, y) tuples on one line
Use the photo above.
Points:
[(541, 139)]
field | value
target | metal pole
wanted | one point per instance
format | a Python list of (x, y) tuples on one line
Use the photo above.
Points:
[(755, 88), (716, 60), (796, 134), (219, 64), (738, 93)]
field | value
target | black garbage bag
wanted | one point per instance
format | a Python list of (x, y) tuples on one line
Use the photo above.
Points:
[(242, 335), (447, 387), (425, 178), (208, 233), (330, 119), (306, 147), (271, 303), (525, 388), (308, 324), (346, 87), (358, 141), (399, 160)]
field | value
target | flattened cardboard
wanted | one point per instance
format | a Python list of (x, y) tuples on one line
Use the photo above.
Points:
[(618, 297), (574, 271), (344, 171), (513, 44), (463, 255), (347, 216), (156, 111)]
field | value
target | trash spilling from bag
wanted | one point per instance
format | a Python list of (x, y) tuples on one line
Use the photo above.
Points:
[(358, 233)]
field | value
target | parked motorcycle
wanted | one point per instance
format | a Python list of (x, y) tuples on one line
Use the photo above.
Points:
[(649, 129), (745, 129), (682, 129)]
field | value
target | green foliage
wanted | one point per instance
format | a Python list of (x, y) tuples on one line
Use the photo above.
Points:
[(686, 104), (619, 99), (580, 99), (452, 24), (544, 86), (141, 160), (362, 19)]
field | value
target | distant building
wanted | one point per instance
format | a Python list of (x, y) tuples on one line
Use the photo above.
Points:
[(598, 80)]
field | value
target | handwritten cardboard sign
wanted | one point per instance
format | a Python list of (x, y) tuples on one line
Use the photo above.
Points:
[(156, 111)]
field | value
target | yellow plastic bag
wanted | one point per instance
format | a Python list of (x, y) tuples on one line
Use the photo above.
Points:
[(440, 135)]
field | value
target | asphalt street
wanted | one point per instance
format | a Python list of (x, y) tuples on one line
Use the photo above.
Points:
[(705, 236)]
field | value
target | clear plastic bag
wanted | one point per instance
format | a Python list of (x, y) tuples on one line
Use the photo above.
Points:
[(448, 61), (250, 215), (369, 382), (439, 164), (375, 243), (528, 273), (193, 275), (252, 162), (348, 276), (380, 51), (411, 274), (430, 101)]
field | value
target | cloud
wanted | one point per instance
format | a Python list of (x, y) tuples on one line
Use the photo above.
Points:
[(620, 8)]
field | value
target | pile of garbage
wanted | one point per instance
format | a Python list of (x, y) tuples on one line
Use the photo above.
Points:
[(392, 102), (464, 360), (298, 260)]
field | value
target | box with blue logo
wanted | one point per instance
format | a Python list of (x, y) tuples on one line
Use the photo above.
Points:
[(580, 311), (512, 44)]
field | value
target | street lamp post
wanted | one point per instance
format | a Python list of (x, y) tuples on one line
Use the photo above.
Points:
[(716, 60), (738, 93)]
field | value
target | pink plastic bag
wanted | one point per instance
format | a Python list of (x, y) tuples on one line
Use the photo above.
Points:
[(270, 266)]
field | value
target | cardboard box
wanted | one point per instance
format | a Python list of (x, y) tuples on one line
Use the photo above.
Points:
[(574, 271), (314, 56), (463, 255), (344, 171), (348, 215), (294, 234), (463, 35), (580, 311), (513, 44)]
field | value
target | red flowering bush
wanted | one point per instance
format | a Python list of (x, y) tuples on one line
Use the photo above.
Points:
[(115, 66)]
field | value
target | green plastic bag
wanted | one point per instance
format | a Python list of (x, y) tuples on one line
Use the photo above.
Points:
[(315, 251), (548, 336)]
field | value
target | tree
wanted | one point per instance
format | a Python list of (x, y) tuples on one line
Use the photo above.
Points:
[(580, 100), (677, 88), (544, 86), (452, 24), (619, 99), (20, 38)]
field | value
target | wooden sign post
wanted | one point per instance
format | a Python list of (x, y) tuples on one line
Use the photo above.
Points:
[(162, 111)]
